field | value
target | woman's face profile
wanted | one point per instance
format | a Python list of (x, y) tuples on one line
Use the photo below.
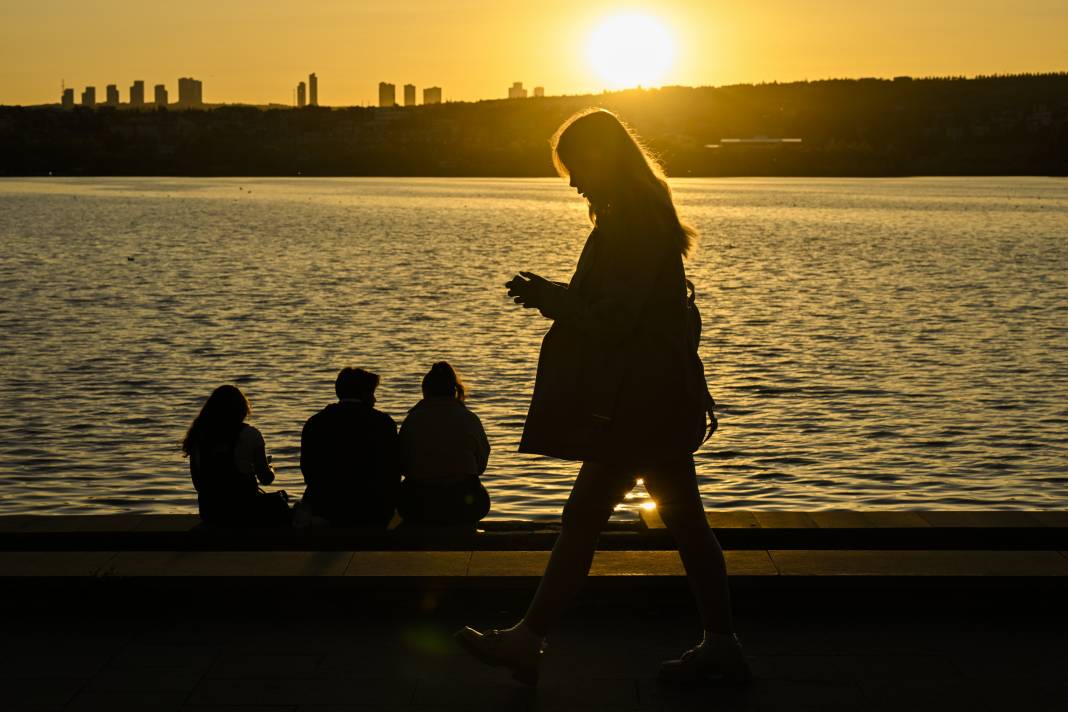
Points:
[(589, 177)]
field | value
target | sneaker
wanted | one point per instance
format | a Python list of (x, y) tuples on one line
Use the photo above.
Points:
[(716, 659), (510, 648)]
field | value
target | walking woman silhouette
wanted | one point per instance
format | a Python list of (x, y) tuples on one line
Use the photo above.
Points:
[(619, 387)]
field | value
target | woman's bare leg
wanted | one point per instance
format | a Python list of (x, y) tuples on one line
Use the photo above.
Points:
[(597, 490), (673, 487)]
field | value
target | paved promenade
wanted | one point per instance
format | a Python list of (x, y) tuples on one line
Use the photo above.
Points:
[(837, 611), (265, 656)]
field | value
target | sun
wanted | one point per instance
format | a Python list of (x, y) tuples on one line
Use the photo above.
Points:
[(631, 49)]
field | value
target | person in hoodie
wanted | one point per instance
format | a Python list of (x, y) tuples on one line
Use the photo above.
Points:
[(443, 450), (348, 455)]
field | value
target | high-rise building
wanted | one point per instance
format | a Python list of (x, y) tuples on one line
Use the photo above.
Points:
[(160, 97), (89, 96), (302, 95), (190, 93), (539, 91), (387, 94), (432, 95), (68, 99), (111, 94), (137, 94), (409, 95), (313, 89), (517, 91)]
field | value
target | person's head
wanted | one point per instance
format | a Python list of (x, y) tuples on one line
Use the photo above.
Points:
[(608, 165), (442, 380), (221, 415), (356, 383)]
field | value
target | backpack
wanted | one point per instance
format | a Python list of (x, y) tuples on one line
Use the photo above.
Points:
[(693, 317)]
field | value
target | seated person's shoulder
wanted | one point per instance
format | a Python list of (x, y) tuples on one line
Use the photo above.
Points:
[(250, 435), (384, 419)]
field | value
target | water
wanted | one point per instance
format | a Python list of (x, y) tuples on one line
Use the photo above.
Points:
[(872, 343)]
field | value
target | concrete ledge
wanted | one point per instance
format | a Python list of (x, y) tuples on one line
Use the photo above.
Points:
[(736, 530), (473, 565)]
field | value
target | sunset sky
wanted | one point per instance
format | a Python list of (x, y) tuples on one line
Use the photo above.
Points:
[(257, 50)]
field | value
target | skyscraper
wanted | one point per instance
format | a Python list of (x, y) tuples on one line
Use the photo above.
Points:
[(409, 95), (517, 91), (137, 94), (387, 94), (313, 89), (190, 93), (111, 92), (161, 95), (302, 95), (432, 95), (89, 97), (68, 99), (539, 91)]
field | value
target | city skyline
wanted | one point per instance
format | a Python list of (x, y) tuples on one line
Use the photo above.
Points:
[(711, 44)]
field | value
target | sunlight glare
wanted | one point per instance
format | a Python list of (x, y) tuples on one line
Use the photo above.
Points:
[(631, 49)]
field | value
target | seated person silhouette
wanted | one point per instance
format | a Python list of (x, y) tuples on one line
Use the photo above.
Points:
[(444, 449), (348, 454), (227, 457)]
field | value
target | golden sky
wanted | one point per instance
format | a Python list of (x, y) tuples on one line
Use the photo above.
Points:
[(256, 51)]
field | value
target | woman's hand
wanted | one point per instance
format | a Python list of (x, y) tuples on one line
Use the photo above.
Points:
[(528, 290)]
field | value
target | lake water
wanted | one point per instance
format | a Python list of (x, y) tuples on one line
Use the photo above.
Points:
[(872, 344)]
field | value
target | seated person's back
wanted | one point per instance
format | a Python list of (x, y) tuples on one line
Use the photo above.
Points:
[(348, 454), (444, 450), (228, 460)]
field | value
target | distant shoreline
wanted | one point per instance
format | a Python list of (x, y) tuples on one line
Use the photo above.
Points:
[(879, 128)]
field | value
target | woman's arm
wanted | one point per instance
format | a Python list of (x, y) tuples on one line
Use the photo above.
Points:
[(254, 452)]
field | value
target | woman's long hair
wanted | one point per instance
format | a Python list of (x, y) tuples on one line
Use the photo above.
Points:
[(222, 415), (640, 181), (443, 380)]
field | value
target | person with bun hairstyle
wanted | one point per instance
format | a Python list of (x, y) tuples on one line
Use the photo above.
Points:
[(621, 389), (444, 450)]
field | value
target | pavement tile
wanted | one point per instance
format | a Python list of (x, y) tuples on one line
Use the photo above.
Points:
[(283, 691), (895, 519), (167, 656), (16, 663), (508, 563), (919, 563), (805, 667), (14, 523), (501, 693), (40, 691), (1051, 519), (72, 523), (588, 692), (144, 701), (144, 679), (230, 563), (807, 695), (731, 519), (840, 519), (980, 519), (653, 694), (54, 563), (167, 522), (408, 563), (784, 520), (234, 665)]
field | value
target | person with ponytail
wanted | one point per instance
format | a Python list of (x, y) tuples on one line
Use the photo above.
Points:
[(228, 461), (444, 450), (621, 389)]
